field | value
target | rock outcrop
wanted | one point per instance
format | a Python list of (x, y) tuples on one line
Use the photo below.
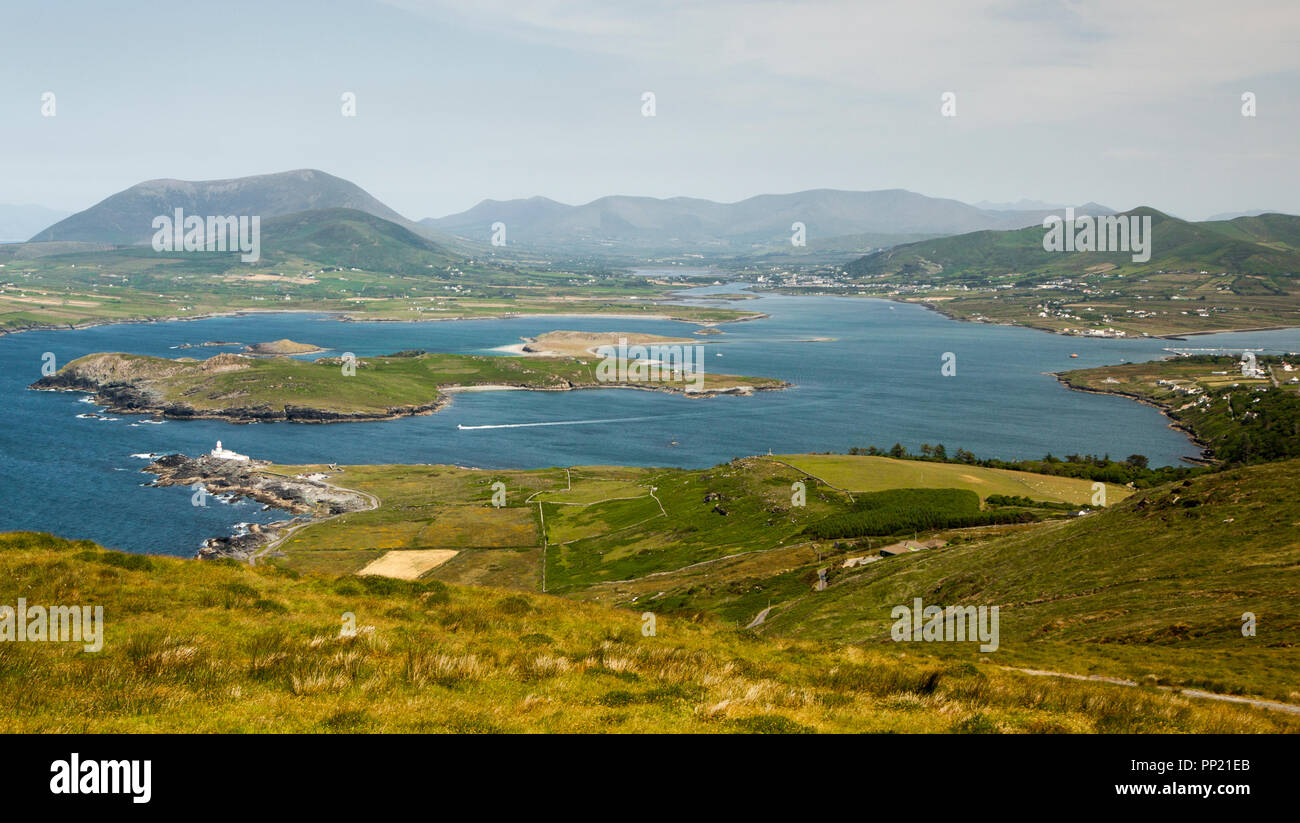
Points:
[(309, 499)]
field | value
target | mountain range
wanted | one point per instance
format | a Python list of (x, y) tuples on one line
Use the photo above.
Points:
[(765, 221), (833, 219)]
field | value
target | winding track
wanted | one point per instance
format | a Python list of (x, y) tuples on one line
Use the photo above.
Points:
[(374, 504)]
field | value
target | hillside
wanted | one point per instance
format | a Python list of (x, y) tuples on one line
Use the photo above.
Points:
[(1154, 585), (351, 238), (1268, 245), (564, 530), (126, 218), (883, 217), (206, 647)]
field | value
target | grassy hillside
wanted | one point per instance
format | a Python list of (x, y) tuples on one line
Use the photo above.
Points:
[(210, 647), (1155, 585), (596, 522), (351, 238), (1201, 277)]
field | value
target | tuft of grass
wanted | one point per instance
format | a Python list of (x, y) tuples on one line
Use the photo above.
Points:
[(122, 560)]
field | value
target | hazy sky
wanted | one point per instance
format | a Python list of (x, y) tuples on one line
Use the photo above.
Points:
[(1120, 102)]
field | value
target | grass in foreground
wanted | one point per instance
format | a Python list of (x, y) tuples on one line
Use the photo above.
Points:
[(212, 647)]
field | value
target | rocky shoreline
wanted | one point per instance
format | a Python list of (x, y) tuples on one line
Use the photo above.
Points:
[(128, 398), (307, 499)]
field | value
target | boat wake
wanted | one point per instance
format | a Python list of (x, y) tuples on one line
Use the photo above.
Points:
[(462, 426)]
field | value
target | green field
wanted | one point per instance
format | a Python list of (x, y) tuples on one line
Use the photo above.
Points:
[(863, 473), (1152, 588), (612, 523), (431, 507)]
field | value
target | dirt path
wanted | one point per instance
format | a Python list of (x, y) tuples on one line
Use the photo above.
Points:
[(1273, 705), (276, 543), (759, 618)]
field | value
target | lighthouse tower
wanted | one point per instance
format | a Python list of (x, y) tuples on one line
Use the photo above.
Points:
[(226, 454)]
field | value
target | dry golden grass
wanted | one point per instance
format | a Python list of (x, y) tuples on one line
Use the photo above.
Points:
[(203, 647)]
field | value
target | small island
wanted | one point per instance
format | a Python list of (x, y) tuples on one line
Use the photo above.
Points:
[(245, 389), (281, 347), (585, 344)]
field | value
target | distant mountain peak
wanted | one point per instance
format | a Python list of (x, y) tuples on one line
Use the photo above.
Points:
[(126, 218)]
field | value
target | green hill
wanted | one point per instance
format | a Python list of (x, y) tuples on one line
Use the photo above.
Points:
[(1265, 245), (353, 239)]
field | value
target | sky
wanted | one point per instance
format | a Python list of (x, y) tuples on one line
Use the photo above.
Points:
[(1112, 101)]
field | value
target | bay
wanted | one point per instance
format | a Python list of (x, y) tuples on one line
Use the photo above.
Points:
[(877, 381)]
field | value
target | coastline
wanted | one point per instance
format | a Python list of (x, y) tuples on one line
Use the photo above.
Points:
[(309, 499), (1182, 334), (345, 316), (1204, 460), (937, 308), (1129, 336)]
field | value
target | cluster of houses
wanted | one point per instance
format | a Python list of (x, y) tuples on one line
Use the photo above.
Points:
[(1106, 332), (1178, 388)]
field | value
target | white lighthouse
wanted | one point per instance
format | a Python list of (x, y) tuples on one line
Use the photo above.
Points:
[(226, 454)]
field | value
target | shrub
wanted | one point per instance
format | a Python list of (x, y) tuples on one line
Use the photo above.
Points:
[(515, 604), (122, 560), (617, 698), (770, 724)]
